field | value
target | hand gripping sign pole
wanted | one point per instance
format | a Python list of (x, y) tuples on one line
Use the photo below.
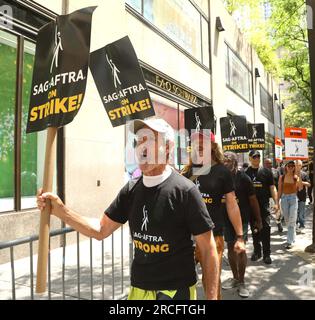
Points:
[(62, 53), (43, 244)]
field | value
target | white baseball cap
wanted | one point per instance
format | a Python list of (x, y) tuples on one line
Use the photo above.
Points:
[(156, 124)]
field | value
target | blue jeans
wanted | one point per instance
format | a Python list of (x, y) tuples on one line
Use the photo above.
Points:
[(301, 213), (289, 205)]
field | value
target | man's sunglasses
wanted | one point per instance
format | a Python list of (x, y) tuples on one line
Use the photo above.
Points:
[(256, 156)]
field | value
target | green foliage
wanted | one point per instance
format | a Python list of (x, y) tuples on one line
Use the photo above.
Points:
[(284, 34)]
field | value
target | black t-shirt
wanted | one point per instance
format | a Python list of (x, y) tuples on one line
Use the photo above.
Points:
[(244, 188), (262, 179), (213, 187), (302, 194), (162, 220), (276, 175)]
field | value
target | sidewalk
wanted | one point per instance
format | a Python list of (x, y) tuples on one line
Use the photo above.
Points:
[(90, 283), (281, 280)]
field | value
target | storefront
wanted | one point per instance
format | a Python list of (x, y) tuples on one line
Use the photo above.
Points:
[(21, 154)]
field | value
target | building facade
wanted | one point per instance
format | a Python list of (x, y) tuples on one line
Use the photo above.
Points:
[(191, 53)]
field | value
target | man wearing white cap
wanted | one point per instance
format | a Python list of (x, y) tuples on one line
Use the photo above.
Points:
[(163, 209)]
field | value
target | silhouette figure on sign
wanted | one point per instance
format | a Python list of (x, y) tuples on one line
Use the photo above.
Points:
[(58, 47), (232, 128), (115, 71)]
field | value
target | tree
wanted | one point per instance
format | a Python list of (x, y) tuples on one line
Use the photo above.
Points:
[(282, 45), (288, 32)]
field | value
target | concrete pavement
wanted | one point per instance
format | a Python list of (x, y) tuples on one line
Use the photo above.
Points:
[(291, 276)]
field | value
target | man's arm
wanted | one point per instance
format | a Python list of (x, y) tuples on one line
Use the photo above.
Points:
[(75, 220), (253, 202), (209, 263), (274, 195), (234, 214)]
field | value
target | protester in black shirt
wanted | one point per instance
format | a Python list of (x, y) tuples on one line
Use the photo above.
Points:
[(164, 210), (249, 207), (213, 186), (302, 196), (264, 186), (276, 175)]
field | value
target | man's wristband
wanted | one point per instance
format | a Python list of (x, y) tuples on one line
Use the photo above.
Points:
[(240, 237)]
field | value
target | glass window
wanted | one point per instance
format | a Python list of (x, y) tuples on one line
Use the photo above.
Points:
[(179, 20), (205, 42), (8, 53), (269, 146), (136, 4), (266, 104), (238, 77), (32, 149)]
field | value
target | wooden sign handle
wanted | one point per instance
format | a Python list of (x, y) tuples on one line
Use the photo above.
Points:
[(43, 244)]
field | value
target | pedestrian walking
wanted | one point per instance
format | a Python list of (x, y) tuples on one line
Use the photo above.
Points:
[(249, 208), (301, 197), (164, 211), (262, 179), (289, 184)]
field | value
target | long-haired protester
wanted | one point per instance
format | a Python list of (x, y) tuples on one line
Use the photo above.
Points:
[(213, 186), (289, 184), (249, 207)]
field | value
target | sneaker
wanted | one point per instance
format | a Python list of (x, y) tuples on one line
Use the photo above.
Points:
[(255, 256), (267, 260), (229, 283), (288, 246), (243, 291)]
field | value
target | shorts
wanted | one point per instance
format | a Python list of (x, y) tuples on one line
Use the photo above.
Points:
[(229, 233), (189, 293)]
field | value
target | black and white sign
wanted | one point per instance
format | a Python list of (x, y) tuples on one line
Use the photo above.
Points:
[(199, 119), (234, 134), (60, 70), (256, 136), (120, 82)]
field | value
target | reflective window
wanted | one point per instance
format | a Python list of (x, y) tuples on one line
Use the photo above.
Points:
[(269, 151), (8, 52), (266, 104), (238, 76), (181, 22), (32, 146), (205, 42)]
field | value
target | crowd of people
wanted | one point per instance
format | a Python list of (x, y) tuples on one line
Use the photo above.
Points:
[(180, 219)]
